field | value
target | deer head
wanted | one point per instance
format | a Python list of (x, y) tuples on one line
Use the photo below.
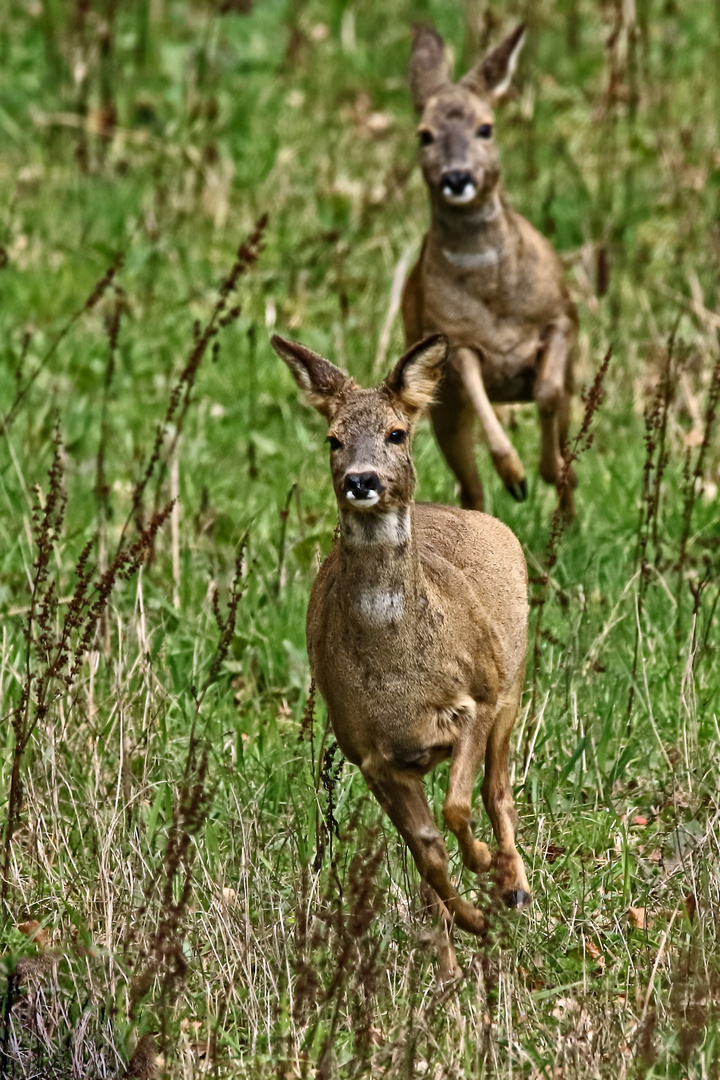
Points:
[(370, 430), (458, 155)]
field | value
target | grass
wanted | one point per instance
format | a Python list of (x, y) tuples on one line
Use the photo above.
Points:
[(209, 881)]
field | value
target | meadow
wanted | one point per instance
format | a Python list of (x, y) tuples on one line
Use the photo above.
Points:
[(192, 881)]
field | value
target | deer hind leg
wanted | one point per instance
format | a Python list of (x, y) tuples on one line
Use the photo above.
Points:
[(497, 796), (553, 387), (507, 464), (403, 800), (457, 808), (448, 966), (453, 421)]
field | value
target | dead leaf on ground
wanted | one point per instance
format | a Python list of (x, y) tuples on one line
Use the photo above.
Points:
[(532, 981), (637, 917), (690, 902), (565, 1005), (186, 1024), (553, 852), (594, 952), (199, 1050), (35, 932)]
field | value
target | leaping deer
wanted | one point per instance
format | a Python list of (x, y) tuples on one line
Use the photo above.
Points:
[(416, 628), (485, 278)]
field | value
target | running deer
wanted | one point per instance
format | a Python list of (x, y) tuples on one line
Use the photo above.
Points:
[(485, 278), (416, 629)]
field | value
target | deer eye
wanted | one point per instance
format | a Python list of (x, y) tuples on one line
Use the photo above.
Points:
[(484, 131), (334, 442), (426, 137), (397, 436)]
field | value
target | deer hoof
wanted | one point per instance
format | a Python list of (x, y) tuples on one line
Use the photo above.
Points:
[(518, 490), (516, 898)]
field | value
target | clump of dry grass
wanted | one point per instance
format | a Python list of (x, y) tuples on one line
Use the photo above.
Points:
[(101, 1005), (56, 650)]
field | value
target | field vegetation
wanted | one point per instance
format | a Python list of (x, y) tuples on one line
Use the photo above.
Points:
[(191, 880)]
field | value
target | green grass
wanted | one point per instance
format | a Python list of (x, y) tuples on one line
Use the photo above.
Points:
[(301, 112)]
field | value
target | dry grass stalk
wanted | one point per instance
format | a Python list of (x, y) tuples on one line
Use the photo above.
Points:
[(583, 440)]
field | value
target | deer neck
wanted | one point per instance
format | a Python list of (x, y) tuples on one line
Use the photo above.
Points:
[(381, 573), (472, 239)]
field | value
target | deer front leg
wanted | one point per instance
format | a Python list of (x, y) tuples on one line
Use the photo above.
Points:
[(497, 795), (467, 756), (403, 800), (505, 459), (552, 396), (453, 420)]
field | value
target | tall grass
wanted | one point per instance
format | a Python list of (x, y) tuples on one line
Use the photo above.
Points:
[(192, 880)]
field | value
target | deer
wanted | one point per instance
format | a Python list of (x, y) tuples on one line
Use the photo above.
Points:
[(487, 279), (416, 631)]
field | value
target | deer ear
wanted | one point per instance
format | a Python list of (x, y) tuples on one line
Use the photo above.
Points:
[(415, 376), (493, 74), (320, 382), (428, 69)]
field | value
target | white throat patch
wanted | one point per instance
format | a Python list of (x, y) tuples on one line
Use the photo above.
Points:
[(380, 606), (391, 528), (471, 260), (489, 256)]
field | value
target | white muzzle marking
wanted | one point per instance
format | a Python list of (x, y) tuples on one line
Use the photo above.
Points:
[(455, 198), (363, 504)]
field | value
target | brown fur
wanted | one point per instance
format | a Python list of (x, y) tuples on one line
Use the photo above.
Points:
[(485, 278), (416, 630)]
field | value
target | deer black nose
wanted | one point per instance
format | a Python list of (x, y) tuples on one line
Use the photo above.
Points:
[(457, 180), (362, 485)]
